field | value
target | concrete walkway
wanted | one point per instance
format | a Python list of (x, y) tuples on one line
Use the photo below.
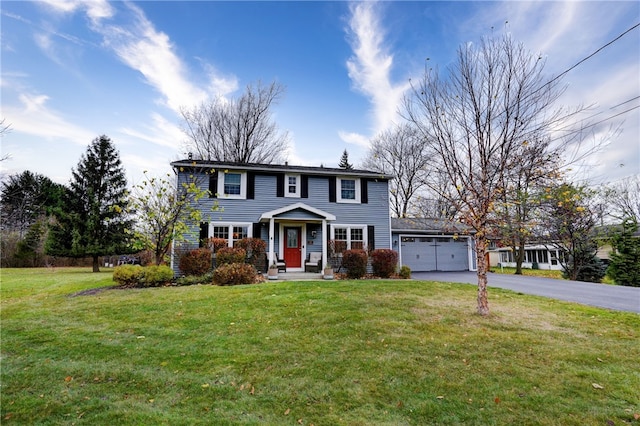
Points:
[(614, 297)]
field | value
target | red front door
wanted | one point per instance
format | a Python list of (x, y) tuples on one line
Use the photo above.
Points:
[(292, 248)]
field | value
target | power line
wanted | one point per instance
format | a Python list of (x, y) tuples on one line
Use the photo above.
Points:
[(625, 102), (594, 53)]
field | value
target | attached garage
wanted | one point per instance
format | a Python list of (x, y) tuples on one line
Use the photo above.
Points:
[(423, 254), (429, 245)]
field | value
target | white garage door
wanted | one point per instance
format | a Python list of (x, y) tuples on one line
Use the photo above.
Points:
[(423, 254)]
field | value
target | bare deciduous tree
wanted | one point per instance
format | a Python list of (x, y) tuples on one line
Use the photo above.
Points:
[(401, 152), (480, 121), (517, 207), (238, 130), (4, 129), (624, 198)]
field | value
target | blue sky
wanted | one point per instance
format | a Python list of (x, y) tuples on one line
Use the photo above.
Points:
[(72, 70)]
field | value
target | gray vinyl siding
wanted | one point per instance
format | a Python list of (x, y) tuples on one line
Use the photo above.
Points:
[(375, 212)]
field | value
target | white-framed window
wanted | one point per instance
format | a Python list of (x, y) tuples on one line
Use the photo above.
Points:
[(292, 186), (232, 232), (232, 184), (348, 190), (349, 237)]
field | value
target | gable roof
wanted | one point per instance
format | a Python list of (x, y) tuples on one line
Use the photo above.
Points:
[(296, 206), (279, 168), (430, 225)]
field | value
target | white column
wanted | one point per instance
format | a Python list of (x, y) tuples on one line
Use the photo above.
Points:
[(271, 240), (325, 259)]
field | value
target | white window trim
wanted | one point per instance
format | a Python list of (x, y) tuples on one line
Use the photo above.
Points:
[(339, 190), (286, 186), (230, 226), (365, 235), (243, 185)]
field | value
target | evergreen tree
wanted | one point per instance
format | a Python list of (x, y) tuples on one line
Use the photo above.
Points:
[(344, 161), (625, 260), (94, 221)]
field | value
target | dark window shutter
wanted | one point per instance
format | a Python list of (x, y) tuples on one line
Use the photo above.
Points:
[(213, 184), (304, 183), (204, 234), (251, 186), (280, 185), (364, 191), (256, 230), (332, 189), (371, 237)]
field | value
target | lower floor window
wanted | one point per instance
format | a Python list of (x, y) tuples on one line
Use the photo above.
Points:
[(231, 232), (348, 237)]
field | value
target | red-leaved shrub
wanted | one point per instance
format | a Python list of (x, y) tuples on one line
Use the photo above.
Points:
[(227, 255), (384, 262), (196, 262), (234, 274), (255, 248), (356, 263)]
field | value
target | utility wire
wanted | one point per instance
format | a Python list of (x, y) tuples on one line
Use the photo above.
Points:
[(594, 53)]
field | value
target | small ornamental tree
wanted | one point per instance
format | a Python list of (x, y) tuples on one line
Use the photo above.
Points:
[(162, 210), (624, 268)]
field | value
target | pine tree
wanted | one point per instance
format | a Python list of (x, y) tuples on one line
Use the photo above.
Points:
[(94, 221), (344, 161), (624, 268)]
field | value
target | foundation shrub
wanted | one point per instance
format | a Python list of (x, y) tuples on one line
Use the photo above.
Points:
[(128, 275), (234, 274), (155, 276), (384, 262), (405, 272), (138, 276), (196, 262), (355, 261), (230, 255), (256, 249)]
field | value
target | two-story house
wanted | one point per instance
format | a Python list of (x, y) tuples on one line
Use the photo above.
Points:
[(296, 210)]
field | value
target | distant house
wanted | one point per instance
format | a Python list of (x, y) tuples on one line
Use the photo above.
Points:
[(536, 256), (296, 210), (433, 244)]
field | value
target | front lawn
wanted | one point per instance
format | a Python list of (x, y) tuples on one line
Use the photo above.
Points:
[(377, 352)]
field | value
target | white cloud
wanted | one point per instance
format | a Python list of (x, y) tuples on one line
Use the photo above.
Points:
[(141, 47), (161, 132), (50, 124), (95, 9), (354, 138), (370, 67)]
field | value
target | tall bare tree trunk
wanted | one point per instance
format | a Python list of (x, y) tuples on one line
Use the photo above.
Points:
[(96, 264), (481, 251)]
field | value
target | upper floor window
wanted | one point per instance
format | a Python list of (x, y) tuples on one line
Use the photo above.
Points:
[(232, 184), (348, 190), (292, 186)]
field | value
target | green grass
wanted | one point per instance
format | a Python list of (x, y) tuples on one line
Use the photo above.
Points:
[(547, 273), (323, 353)]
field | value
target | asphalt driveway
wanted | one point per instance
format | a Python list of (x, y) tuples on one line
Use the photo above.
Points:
[(601, 295)]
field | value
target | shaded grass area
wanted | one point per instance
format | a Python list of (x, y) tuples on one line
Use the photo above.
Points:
[(323, 353)]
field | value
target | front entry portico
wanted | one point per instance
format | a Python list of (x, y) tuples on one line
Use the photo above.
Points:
[(294, 231)]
